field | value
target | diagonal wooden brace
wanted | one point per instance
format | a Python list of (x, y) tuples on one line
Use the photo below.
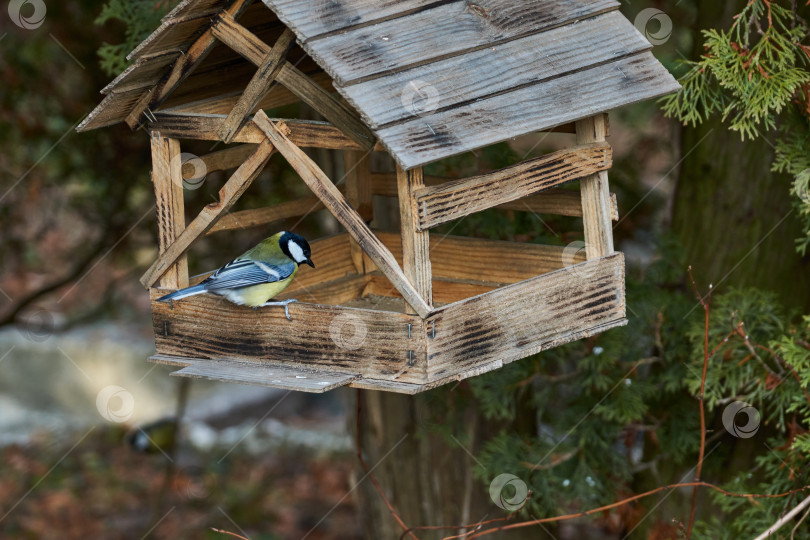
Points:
[(337, 204), (228, 195)]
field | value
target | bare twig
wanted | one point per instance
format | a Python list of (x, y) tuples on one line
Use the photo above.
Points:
[(784, 519)]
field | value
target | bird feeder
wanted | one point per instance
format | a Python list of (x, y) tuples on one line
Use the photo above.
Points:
[(422, 81)]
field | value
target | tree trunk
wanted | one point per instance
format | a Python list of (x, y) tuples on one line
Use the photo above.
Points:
[(733, 216)]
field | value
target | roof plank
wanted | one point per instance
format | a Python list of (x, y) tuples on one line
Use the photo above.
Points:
[(314, 18), (531, 108), (443, 31), (441, 85)]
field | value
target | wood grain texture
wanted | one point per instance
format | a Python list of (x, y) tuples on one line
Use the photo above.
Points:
[(222, 160), (562, 202), (461, 79), (595, 194), (415, 243), (228, 195), (168, 184), (272, 375), (257, 87), (336, 203), (452, 200), (257, 217), (490, 120), (358, 193), (523, 319), (446, 30), (330, 338), (143, 73), (330, 293), (244, 42), (311, 19), (305, 133), (476, 259), (445, 291)]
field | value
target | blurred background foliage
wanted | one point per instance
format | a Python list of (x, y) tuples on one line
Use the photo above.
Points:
[(584, 424)]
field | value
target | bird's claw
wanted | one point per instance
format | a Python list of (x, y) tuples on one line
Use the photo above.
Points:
[(285, 303)]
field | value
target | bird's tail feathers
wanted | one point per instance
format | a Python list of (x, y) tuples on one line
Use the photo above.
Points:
[(183, 293)]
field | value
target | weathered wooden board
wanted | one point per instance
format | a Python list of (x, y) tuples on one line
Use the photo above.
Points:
[(221, 160), (439, 204), (336, 203), (244, 219), (415, 243), (331, 338), (143, 73), (525, 318), (445, 291), (330, 293), (228, 195), (174, 33), (168, 184), (310, 19), (595, 194), (493, 261), (272, 375), (195, 7), (113, 108), (532, 108), (529, 60), (304, 133), (446, 30)]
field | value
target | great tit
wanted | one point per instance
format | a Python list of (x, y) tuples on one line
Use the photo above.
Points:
[(256, 276), (154, 437)]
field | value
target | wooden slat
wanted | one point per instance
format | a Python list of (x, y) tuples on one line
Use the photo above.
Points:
[(228, 195), (331, 255), (595, 194), (415, 243), (222, 160), (331, 293), (272, 375), (181, 69), (244, 219), (330, 338), (168, 183), (476, 259), (173, 33), (310, 19), (336, 203), (255, 50), (143, 73), (358, 192), (501, 68), (446, 30), (527, 109), (305, 133), (562, 202), (523, 319), (445, 291), (452, 200), (258, 87)]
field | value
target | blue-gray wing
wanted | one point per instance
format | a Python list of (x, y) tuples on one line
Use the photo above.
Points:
[(244, 273)]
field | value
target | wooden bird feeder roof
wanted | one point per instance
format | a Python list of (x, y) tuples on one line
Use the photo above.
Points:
[(430, 79)]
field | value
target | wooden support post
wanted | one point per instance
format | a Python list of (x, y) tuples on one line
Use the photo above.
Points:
[(595, 193), (228, 195), (258, 87), (336, 203), (358, 193), (167, 178), (415, 243), (182, 68)]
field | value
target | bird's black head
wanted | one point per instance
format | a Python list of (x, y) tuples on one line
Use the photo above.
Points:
[(295, 247)]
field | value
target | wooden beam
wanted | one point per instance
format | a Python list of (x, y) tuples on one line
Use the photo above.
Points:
[(358, 193), (228, 195), (333, 338), (221, 160), (595, 193), (247, 44), (168, 182), (415, 243), (562, 202), (452, 200), (445, 291), (182, 68), (204, 127), (262, 216), (258, 86), (336, 203), (528, 317)]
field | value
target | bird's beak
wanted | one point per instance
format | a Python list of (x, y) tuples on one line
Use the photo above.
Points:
[(309, 262)]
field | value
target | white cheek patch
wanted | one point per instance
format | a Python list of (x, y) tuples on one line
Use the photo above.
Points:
[(296, 252)]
